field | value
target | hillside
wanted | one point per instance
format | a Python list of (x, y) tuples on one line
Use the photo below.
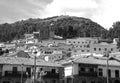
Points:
[(65, 26)]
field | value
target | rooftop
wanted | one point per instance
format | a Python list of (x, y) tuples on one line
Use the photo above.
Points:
[(113, 61), (84, 38), (26, 61)]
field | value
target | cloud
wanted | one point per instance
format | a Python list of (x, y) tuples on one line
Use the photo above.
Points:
[(77, 7), (108, 13), (14, 10), (104, 12)]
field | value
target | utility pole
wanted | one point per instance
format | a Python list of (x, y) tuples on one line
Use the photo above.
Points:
[(34, 69), (72, 71), (107, 71), (21, 73), (35, 52), (107, 66)]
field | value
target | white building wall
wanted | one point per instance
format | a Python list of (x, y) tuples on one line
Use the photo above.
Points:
[(82, 41), (112, 71), (102, 48), (71, 69), (91, 45), (75, 69), (52, 42), (68, 70)]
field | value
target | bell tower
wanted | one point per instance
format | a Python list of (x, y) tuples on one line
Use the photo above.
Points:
[(51, 31)]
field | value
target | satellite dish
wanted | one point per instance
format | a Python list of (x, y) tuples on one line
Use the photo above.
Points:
[(38, 54), (49, 45), (46, 58)]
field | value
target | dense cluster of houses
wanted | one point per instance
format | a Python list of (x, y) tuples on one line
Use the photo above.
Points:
[(53, 60)]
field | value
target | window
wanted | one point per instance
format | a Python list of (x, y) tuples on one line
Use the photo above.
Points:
[(69, 49), (94, 42), (6, 82), (18, 82), (99, 82), (117, 73), (28, 70), (63, 81), (99, 49), (105, 49), (94, 49), (91, 70), (68, 80), (92, 81), (41, 69), (82, 69), (59, 57), (111, 49), (100, 73), (83, 81), (88, 51), (53, 81), (82, 50), (14, 69), (89, 41), (53, 70), (109, 72), (88, 46), (75, 50), (117, 81)]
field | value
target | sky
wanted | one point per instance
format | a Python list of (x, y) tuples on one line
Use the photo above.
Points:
[(104, 12)]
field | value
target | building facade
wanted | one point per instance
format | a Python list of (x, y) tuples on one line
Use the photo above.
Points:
[(91, 45), (92, 70), (21, 70)]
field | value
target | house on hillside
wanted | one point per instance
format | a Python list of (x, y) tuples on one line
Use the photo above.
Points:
[(45, 33), (91, 45), (20, 54)]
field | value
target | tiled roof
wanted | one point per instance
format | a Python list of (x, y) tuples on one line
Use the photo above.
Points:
[(94, 60), (97, 61), (21, 54), (84, 38), (26, 61)]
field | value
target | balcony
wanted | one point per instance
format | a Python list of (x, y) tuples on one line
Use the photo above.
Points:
[(16, 74), (0, 74), (51, 75), (89, 74)]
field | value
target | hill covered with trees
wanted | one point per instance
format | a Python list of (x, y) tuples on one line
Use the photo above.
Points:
[(65, 26)]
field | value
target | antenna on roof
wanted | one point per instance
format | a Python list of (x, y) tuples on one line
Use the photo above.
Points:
[(64, 13)]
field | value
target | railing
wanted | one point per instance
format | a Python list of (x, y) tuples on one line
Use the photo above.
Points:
[(16, 74), (92, 74), (51, 75), (0, 74)]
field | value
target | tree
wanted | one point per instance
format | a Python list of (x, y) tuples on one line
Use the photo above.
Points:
[(116, 31), (67, 27)]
